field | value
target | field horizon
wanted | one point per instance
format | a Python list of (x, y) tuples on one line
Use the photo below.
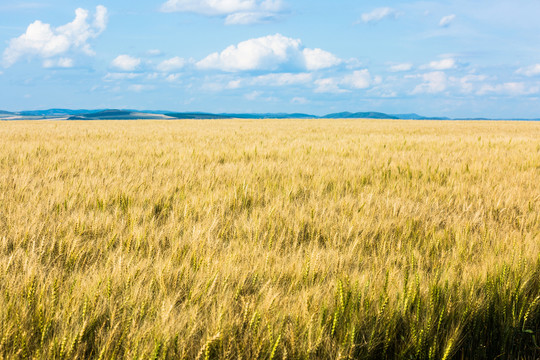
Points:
[(144, 114), (270, 239)]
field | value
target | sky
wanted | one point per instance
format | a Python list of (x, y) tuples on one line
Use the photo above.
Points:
[(452, 58)]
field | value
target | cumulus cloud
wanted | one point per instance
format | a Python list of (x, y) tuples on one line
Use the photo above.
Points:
[(58, 63), (328, 85), (247, 18), (359, 79), (379, 14), (275, 79), (299, 100), (173, 77), (171, 64), (234, 84), (265, 53), (467, 83), (253, 95), (140, 87), (154, 52), (433, 82), (438, 81), (444, 64), (532, 70), (126, 62), (401, 67), (509, 88), (317, 59), (270, 53), (283, 79), (42, 40), (234, 11), (100, 18), (121, 76), (209, 7), (447, 20)]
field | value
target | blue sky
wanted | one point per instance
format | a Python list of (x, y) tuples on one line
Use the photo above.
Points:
[(452, 58)]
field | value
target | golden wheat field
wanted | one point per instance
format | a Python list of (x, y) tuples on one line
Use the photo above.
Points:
[(270, 239)]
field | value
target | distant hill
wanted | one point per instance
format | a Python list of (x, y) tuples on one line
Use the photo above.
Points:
[(113, 114), (272, 116), (108, 113), (414, 116), (197, 115), (411, 116), (359, 115), (479, 119), (201, 115), (133, 114), (6, 115), (53, 112)]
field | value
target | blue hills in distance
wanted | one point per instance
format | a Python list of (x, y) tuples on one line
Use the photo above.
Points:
[(130, 114)]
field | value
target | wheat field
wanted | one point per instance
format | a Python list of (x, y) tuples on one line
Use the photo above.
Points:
[(269, 239)]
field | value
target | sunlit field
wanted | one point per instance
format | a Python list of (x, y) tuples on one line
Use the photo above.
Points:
[(270, 239)]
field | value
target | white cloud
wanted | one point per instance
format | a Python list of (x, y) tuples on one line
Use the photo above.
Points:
[(283, 79), (447, 20), (120, 76), (379, 14), (234, 84), (271, 53), (265, 53), (438, 81), (258, 95), (388, 94), (359, 79), (140, 87), (100, 19), (328, 85), (509, 88), (247, 18), (401, 67), (173, 77), (317, 59), (209, 85), (433, 82), (126, 62), (253, 95), (353, 63), (235, 11), (154, 52), (466, 83), (275, 79), (444, 64), (532, 70), (171, 64), (209, 7), (299, 100), (41, 40), (58, 63)]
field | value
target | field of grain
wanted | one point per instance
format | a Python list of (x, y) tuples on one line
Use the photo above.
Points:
[(270, 239)]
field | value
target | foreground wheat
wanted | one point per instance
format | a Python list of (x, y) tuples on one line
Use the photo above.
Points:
[(269, 239)]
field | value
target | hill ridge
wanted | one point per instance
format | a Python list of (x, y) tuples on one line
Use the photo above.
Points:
[(134, 114)]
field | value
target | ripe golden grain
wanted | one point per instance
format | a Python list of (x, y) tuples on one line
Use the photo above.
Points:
[(288, 238)]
